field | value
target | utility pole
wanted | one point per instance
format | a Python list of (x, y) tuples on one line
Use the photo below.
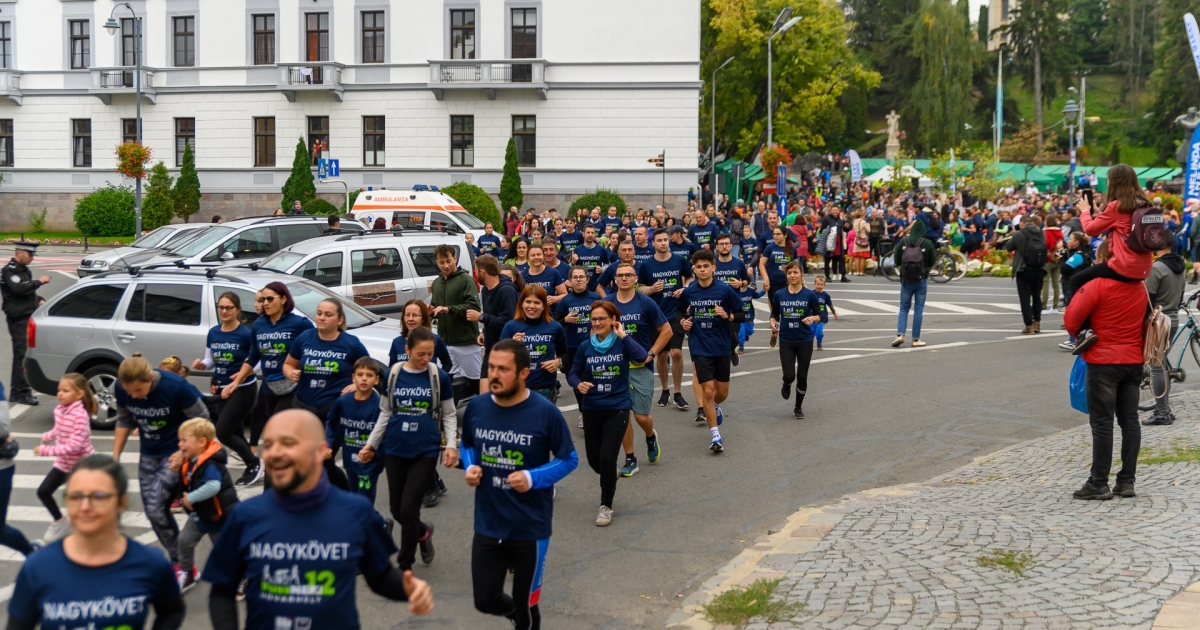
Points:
[(1082, 106), (712, 147), (782, 23), (999, 123)]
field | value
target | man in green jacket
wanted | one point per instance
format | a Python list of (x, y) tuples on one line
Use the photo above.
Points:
[(913, 290), (454, 293)]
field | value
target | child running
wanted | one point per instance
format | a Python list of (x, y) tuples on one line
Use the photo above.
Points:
[(68, 442), (826, 309), (746, 330), (350, 422), (175, 364), (208, 493)]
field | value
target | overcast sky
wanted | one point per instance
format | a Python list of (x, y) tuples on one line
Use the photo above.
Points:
[(975, 4)]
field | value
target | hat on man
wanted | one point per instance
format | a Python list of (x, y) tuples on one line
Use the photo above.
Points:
[(26, 246), (741, 202), (676, 229)]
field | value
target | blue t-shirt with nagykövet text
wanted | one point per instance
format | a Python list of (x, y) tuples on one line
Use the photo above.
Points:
[(749, 250), (704, 235), (160, 413), (608, 279), (581, 305), (489, 244), (606, 221), (325, 366), (55, 592), (731, 271), (272, 342), (776, 258), (672, 272), (789, 310), (593, 259), (303, 563), (548, 279), (642, 253), (568, 241), (412, 431), (399, 352), (709, 336), (348, 425), (229, 352), (608, 372), (641, 318), (546, 341), (503, 440), (684, 249)]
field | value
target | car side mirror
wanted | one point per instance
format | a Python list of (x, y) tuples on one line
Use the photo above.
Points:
[(227, 256)]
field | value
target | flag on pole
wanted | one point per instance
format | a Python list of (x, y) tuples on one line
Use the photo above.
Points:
[(855, 165)]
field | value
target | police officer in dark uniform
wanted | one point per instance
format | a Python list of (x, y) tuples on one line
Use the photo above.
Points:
[(18, 290)]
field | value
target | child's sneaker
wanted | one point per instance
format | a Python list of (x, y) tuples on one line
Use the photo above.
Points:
[(57, 529), (1087, 339), (187, 579), (820, 347), (741, 348)]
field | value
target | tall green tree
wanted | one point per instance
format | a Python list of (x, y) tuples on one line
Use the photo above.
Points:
[(981, 24), (300, 184), (187, 187), (1174, 82), (813, 64), (1043, 54), (941, 101), (510, 183), (158, 206), (881, 32), (1130, 33)]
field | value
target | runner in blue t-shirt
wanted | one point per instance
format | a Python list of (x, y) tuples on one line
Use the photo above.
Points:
[(703, 233), (508, 438), (538, 273), (678, 245), (302, 543), (350, 422), (663, 278), (774, 257), (711, 307), (794, 310), (545, 339), (625, 254), (733, 272), (155, 402), (591, 255), (274, 331), (96, 577), (570, 238), (489, 243), (826, 309), (643, 248), (574, 312)]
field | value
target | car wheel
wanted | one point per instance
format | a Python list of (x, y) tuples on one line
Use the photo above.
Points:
[(103, 381)]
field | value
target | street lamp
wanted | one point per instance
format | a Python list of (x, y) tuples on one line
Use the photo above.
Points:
[(112, 26), (1070, 112), (712, 163), (782, 24)]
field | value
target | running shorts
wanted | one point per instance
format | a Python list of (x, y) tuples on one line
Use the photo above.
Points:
[(705, 369), (641, 389)]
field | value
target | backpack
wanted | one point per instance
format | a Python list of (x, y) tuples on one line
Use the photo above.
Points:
[(435, 390), (912, 261), (1036, 254), (1148, 230)]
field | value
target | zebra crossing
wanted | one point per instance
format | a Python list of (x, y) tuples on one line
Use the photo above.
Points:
[(855, 306)]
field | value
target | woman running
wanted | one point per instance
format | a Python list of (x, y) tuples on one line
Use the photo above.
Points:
[(574, 312), (518, 254), (545, 338), (96, 577), (229, 344), (771, 262), (416, 314), (411, 425), (793, 312), (600, 374), (275, 330)]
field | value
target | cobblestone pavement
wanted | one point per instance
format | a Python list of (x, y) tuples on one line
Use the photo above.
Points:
[(908, 556)]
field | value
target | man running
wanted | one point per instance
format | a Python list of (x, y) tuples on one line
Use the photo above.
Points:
[(733, 272), (711, 306), (703, 233), (302, 542), (607, 284), (591, 256), (507, 440), (643, 248), (663, 277), (643, 320)]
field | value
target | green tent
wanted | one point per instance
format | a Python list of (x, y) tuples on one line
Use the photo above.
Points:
[(1157, 173), (1022, 173), (870, 165)]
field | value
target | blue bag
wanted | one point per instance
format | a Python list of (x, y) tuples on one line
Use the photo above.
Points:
[(1078, 385)]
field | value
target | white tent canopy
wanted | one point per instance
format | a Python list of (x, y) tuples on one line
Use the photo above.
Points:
[(885, 174)]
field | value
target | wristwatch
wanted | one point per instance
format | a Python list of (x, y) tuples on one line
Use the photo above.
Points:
[(650, 356)]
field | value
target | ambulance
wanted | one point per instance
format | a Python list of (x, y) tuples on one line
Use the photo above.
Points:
[(416, 208)]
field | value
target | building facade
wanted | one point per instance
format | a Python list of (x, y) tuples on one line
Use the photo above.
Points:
[(399, 91)]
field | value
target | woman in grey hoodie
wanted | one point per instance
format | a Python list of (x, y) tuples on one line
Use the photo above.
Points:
[(9, 536)]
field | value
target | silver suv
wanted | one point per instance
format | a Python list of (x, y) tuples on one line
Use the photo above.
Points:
[(147, 247), (94, 325), (247, 240), (379, 271)]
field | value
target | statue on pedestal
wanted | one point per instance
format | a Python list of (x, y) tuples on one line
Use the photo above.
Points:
[(892, 150)]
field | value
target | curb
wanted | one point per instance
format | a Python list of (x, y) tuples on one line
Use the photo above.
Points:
[(1181, 611)]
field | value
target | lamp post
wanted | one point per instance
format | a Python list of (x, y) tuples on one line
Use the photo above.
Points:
[(1070, 111), (782, 23), (112, 26), (712, 163)]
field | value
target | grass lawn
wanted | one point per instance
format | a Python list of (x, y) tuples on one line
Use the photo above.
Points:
[(66, 237)]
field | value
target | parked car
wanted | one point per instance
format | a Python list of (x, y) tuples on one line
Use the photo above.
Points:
[(247, 240), (141, 250), (379, 271), (94, 325), (423, 206)]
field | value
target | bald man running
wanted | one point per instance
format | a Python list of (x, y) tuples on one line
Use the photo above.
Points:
[(294, 544)]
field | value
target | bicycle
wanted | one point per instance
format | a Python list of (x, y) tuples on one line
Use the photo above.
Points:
[(949, 265), (1190, 333), (886, 265)]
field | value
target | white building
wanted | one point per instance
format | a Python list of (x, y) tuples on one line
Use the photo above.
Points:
[(399, 91)]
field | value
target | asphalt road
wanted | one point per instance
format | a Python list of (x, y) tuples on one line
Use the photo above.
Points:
[(877, 416)]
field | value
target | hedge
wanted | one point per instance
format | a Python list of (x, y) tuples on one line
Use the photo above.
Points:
[(107, 211), (601, 198), (476, 201), (320, 206)]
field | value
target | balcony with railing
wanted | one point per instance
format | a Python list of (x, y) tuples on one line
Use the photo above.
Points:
[(121, 80), (489, 76), (10, 85), (308, 76)]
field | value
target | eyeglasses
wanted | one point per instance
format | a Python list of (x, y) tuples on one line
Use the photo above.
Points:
[(626, 275), (599, 320), (226, 308), (76, 498), (269, 298)]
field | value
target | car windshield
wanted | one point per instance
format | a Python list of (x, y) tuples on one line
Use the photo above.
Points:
[(180, 237), (281, 261), (154, 238), (471, 221), (203, 242), (308, 295)]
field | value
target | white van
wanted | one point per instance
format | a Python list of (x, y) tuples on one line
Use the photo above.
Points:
[(419, 207)]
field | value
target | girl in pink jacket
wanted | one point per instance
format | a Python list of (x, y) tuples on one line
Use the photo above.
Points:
[(68, 442)]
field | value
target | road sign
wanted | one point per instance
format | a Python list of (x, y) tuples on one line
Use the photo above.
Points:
[(322, 168), (781, 201), (334, 168), (657, 161)]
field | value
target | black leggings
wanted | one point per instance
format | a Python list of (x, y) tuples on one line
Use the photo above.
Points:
[(490, 561), (229, 423), (53, 481), (795, 358), (602, 435), (835, 263), (408, 479), (268, 404)]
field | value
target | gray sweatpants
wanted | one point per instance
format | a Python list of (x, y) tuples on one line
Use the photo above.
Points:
[(188, 539)]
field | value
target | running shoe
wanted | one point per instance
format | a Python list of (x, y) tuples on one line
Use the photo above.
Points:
[(180, 575), (1067, 345), (580, 421), (700, 417), (389, 524), (1086, 339), (741, 348), (786, 390), (252, 475), (177, 505), (717, 446), (774, 339), (432, 496), (680, 402), (665, 399), (426, 544), (57, 529), (441, 487), (241, 590), (630, 468), (189, 579), (820, 347), (798, 413), (720, 415), (604, 517), (917, 343), (898, 341), (734, 359), (653, 450)]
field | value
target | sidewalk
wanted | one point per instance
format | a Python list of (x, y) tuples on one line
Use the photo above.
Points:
[(908, 556)]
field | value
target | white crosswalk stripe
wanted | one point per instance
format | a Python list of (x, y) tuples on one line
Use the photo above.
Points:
[(870, 307)]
